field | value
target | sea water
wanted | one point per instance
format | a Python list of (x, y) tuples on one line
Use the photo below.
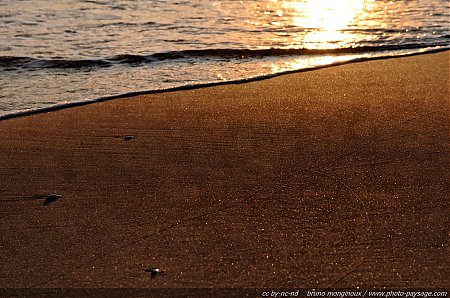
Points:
[(65, 51)]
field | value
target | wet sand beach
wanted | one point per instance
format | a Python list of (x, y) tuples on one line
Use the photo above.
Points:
[(330, 178)]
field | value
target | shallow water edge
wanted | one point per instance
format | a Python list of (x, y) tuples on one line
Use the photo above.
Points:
[(210, 84)]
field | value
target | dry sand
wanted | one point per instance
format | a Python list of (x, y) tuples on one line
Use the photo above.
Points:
[(331, 178)]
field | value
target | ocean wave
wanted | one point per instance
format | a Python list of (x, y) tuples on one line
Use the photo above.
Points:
[(59, 106), (13, 63)]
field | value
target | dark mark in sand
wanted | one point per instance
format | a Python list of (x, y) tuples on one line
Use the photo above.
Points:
[(153, 272), (48, 199), (123, 137)]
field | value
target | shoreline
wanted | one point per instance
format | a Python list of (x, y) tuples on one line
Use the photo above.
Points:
[(333, 178), (58, 107)]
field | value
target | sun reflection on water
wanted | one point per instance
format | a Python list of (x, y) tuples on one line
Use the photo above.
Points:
[(325, 14), (306, 62), (321, 24), (326, 21)]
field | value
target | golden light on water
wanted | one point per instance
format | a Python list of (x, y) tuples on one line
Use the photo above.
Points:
[(326, 14), (326, 20), (324, 24), (312, 61)]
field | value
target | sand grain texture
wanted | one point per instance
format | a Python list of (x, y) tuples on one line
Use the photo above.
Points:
[(330, 178)]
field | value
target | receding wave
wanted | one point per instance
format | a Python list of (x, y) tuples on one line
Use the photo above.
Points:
[(12, 63)]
